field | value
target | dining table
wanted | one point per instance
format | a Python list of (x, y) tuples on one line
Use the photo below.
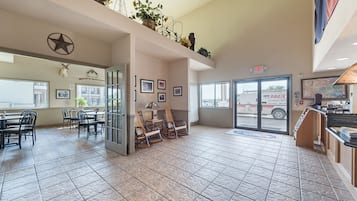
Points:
[(3, 121), (95, 114)]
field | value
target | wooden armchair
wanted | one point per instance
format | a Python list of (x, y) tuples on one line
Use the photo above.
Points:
[(178, 127), (142, 133)]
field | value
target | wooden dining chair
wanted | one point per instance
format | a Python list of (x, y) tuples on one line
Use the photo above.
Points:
[(142, 132), (178, 127)]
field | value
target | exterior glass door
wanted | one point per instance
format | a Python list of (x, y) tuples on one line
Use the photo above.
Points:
[(274, 105), (263, 104), (116, 131), (247, 107)]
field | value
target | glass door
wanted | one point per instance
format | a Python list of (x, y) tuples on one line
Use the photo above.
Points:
[(262, 104), (116, 130), (247, 107), (274, 105)]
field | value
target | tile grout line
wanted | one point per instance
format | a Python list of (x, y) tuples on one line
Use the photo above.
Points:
[(300, 178), (38, 181), (112, 187), (76, 188), (271, 179), (328, 178), (2, 185)]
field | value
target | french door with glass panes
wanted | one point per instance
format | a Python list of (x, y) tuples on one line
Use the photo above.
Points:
[(115, 108), (262, 104)]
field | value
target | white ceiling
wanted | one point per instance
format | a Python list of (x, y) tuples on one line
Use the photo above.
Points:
[(342, 48), (61, 17)]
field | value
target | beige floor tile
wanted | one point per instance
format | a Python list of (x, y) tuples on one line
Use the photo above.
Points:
[(205, 165), (195, 183), (93, 189), (107, 195), (235, 173), (227, 182), (86, 179), (286, 190), (238, 197), (69, 196), (251, 191), (215, 192), (57, 190), (207, 174)]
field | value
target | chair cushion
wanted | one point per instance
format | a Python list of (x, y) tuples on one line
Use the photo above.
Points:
[(180, 127), (148, 134)]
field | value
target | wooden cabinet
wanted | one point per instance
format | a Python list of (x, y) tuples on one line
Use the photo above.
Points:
[(320, 131)]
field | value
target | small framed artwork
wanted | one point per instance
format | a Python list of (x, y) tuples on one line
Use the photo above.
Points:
[(63, 94), (161, 84), (161, 97), (146, 86), (178, 91)]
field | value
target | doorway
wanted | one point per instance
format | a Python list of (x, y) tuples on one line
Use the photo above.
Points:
[(263, 104)]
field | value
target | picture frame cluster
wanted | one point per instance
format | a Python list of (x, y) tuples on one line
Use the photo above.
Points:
[(147, 86)]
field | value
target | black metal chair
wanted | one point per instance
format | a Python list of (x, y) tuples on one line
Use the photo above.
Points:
[(100, 121), (30, 127), (16, 132), (86, 122), (66, 117), (74, 117)]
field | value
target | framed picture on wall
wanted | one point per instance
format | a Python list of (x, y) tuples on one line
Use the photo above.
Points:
[(63, 94), (161, 84), (146, 86), (323, 86), (161, 97), (177, 91)]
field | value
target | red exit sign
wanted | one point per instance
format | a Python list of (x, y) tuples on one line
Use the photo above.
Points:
[(258, 69)]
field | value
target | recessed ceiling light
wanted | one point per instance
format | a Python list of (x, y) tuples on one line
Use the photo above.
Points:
[(354, 43), (343, 59), (331, 68)]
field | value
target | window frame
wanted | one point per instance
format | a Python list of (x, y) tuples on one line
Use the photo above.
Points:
[(215, 95), (91, 85), (30, 80)]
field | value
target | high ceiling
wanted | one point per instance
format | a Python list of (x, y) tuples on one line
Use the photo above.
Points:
[(343, 52), (342, 48)]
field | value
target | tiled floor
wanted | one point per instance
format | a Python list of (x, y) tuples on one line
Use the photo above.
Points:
[(206, 165)]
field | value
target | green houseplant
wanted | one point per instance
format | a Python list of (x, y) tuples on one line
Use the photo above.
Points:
[(150, 15), (81, 102)]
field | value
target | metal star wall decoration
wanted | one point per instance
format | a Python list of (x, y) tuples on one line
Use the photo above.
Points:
[(60, 43)]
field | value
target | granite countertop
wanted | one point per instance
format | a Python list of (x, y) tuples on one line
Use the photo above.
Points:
[(326, 110), (335, 131)]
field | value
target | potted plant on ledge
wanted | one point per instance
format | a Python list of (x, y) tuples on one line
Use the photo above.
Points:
[(150, 15)]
